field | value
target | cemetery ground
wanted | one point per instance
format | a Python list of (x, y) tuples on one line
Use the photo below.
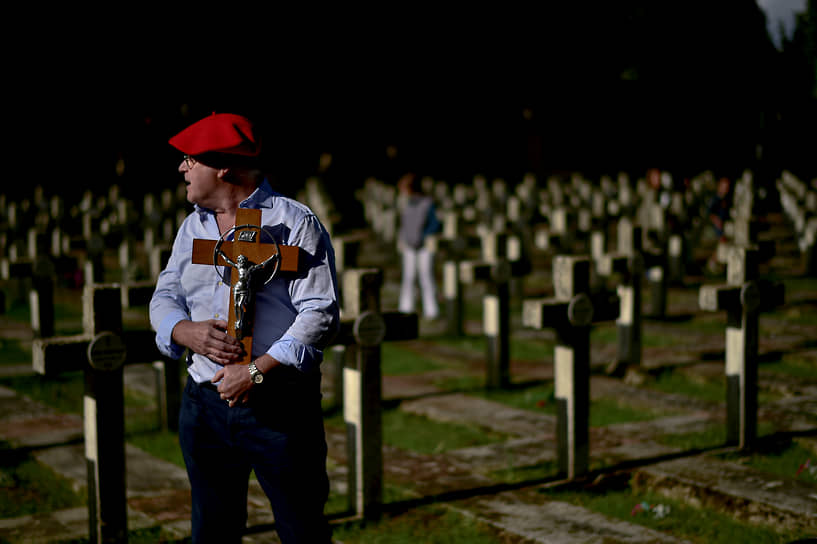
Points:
[(463, 463)]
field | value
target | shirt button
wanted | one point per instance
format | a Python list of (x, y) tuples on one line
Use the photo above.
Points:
[(216, 316)]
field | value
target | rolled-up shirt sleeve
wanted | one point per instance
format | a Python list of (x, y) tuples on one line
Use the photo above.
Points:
[(314, 298), (168, 306)]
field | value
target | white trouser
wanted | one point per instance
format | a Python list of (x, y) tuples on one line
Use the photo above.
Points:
[(418, 262)]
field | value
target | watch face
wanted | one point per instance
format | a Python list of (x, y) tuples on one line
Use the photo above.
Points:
[(258, 378)]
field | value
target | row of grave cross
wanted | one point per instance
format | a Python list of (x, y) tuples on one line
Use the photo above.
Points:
[(105, 347)]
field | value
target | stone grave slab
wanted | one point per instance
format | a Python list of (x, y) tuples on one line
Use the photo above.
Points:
[(158, 491), (65, 524), (440, 474), (624, 441), (552, 522), (686, 423), (792, 414), (603, 386), (461, 408), (742, 491), (27, 423), (629, 449), (517, 452), (409, 386)]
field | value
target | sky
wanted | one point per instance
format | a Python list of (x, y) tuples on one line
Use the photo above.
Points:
[(781, 10)]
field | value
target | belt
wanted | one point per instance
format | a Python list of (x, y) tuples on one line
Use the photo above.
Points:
[(208, 385)]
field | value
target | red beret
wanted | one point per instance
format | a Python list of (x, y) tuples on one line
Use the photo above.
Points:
[(218, 133)]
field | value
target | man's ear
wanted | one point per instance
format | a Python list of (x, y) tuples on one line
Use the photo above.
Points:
[(223, 173)]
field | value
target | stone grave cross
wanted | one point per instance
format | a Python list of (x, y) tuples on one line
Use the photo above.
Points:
[(363, 330), (100, 352), (571, 311), (628, 262), (743, 297), (495, 270)]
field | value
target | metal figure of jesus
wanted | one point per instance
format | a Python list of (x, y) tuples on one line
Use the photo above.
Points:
[(242, 293)]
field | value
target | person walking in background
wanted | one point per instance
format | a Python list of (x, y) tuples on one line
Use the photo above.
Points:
[(418, 220), (718, 210)]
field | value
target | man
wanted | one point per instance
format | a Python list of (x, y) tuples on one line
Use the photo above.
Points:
[(229, 424)]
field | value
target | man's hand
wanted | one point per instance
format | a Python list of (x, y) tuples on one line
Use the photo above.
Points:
[(208, 338), (235, 383), (236, 380)]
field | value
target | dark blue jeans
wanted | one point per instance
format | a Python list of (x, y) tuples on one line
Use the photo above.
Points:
[(279, 434)]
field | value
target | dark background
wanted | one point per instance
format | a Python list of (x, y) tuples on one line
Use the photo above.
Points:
[(620, 86)]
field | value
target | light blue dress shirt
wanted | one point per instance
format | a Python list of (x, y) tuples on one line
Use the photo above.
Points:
[(295, 318)]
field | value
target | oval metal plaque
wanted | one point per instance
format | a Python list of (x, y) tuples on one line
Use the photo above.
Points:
[(369, 329), (106, 351), (580, 310), (750, 297)]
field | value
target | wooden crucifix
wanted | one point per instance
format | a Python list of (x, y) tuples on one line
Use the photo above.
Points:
[(246, 254)]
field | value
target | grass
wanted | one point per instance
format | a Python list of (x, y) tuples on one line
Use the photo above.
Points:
[(467, 343), (397, 359), (520, 349), (29, 487), (700, 525), (792, 365), (708, 438), (540, 398), (161, 444), (607, 333), (537, 398), (62, 392), (152, 535), (433, 524), (527, 350), (461, 383), (67, 317), (608, 411), (423, 435), (712, 389), (14, 352), (338, 503), (788, 459), (514, 474), (711, 437), (678, 383)]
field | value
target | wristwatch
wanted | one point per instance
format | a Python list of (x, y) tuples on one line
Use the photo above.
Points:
[(256, 375)]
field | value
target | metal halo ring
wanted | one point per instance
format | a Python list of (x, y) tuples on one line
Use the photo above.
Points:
[(276, 256)]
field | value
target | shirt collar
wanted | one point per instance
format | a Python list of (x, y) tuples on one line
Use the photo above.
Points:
[(261, 197)]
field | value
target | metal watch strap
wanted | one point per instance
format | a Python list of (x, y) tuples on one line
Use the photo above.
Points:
[(256, 375)]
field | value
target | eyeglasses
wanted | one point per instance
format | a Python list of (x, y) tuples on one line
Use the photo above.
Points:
[(189, 161)]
